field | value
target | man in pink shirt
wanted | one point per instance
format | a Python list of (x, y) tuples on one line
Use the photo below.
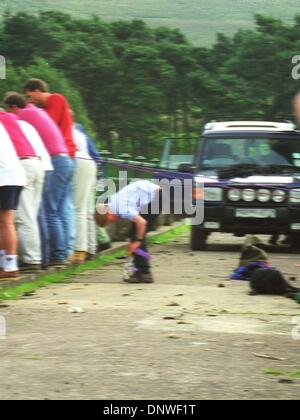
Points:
[(39, 119), (22, 145), (55, 203)]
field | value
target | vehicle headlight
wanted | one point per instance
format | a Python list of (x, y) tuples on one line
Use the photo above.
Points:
[(213, 194), (263, 195), (234, 195), (278, 196), (295, 196), (249, 195)]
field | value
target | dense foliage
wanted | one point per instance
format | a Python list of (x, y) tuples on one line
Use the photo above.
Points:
[(132, 85)]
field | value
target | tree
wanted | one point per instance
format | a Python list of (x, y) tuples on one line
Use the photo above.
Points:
[(137, 84)]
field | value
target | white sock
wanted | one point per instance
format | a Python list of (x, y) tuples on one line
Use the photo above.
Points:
[(10, 263), (2, 254)]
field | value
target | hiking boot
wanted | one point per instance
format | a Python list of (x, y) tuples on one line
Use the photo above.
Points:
[(90, 257), (146, 278), (78, 258), (104, 247), (29, 267), (135, 278), (58, 264), (140, 278), (9, 275)]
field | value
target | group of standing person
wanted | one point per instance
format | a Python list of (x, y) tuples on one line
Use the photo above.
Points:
[(48, 173)]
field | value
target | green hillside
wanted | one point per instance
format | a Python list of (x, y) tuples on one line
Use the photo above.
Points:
[(200, 20)]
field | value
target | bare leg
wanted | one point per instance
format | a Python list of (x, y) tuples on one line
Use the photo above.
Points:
[(8, 234)]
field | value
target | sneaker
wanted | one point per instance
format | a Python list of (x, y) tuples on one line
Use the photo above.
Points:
[(9, 275)]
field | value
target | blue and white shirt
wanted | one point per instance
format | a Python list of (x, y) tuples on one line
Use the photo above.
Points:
[(129, 201)]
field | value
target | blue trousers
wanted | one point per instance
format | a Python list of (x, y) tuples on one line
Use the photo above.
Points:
[(59, 208)]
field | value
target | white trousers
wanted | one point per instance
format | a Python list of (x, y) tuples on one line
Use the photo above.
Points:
[(84, 183), (26, 217)]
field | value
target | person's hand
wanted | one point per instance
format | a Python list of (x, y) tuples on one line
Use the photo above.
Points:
[(133, 247)]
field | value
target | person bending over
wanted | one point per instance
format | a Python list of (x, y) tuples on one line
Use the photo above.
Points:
[(139, 203)]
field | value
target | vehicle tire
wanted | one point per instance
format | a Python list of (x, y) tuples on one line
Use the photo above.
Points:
[(198, 239), (295, 243)]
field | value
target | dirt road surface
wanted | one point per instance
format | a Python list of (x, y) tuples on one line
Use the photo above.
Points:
[(191, 335)]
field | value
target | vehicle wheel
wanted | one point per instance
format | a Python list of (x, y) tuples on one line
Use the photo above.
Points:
[(198, 239), (295, 243)]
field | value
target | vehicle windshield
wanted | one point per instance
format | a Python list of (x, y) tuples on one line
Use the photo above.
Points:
[(174, 156), (251, 155)]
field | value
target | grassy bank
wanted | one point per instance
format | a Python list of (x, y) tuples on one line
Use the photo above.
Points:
[(66, 275)]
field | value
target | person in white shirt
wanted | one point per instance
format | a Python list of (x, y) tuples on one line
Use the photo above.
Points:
[(12, 181), (84, 184), (136, 202), (40, 149), (26, 219)]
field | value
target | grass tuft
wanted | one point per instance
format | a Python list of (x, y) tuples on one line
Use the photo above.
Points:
[(277, 372)]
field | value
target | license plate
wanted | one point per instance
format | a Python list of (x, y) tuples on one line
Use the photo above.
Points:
[(256, 213)]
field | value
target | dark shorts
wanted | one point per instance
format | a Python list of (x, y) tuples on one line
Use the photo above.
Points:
[(9, 197)]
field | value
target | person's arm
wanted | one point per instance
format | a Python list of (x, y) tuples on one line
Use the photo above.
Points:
[(297, 109), (95, 155), (141, 226), (93, 152), (92, 149), (54, 108)]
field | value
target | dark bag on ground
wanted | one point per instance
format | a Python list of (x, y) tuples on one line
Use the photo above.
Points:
[(267, 281)]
